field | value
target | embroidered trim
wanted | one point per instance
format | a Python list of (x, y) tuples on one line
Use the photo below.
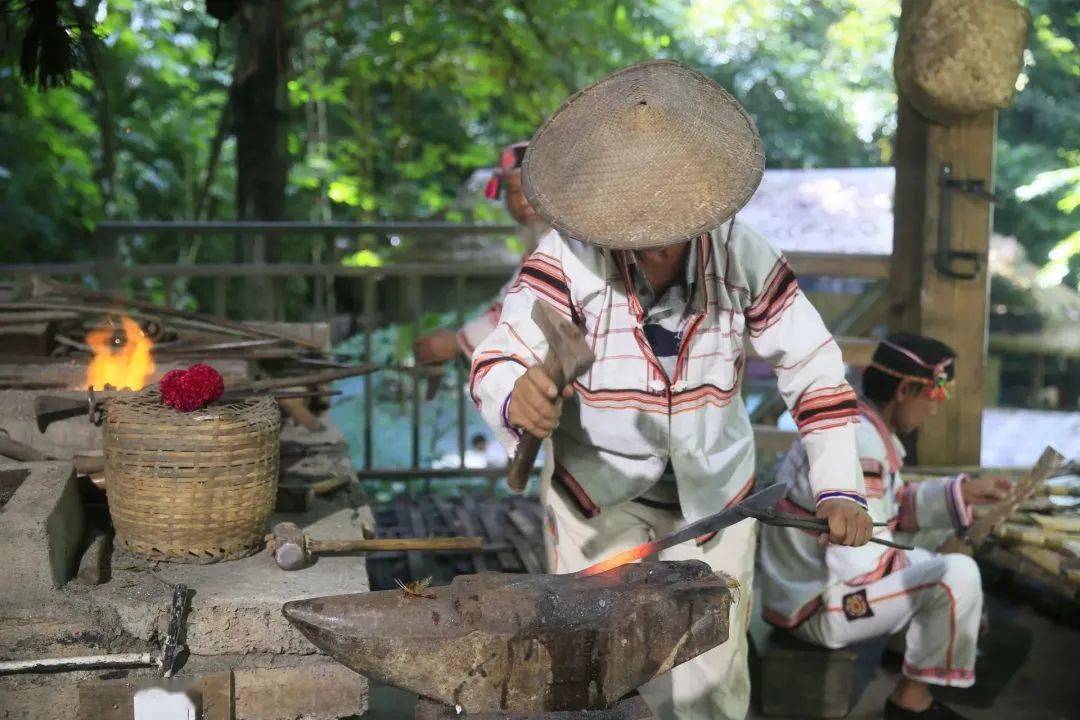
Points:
[(895, 461), (801, 615), (780, 289), (823, 408), (961, 513), (937, 673), (845, 494), (917, 588), (504, 411), (890, 561), (482, 366), (907, 518), (584, 503)]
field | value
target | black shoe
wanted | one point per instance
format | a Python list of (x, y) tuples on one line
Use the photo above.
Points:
[(936, 711)]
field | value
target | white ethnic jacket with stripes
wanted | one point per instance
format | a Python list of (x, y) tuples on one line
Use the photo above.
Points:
[(796, 570), (627, 419)]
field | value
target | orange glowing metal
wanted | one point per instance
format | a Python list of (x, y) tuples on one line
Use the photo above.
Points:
[(125, 367), (623, 558), (713, 523)]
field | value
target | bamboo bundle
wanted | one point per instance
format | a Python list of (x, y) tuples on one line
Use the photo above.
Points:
[(984, 526), (1028, 535), (1061, 523), (1052, 562)]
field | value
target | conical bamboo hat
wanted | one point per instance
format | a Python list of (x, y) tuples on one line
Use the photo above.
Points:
[(651, 155)]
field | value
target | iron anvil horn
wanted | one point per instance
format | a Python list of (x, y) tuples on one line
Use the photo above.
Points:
[(526, 643)]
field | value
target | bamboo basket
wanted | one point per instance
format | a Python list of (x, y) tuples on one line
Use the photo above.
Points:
[(191, 487)]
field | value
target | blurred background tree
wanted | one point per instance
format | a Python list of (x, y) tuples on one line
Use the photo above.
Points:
[(381, 110)]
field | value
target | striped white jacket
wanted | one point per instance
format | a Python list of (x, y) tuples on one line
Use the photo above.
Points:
[(795, 569), (627, 418)]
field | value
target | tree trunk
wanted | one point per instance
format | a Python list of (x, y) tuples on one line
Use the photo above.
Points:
[(260, 107)]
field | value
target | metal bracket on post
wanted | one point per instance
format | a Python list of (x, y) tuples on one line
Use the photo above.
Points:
[(946, 256)]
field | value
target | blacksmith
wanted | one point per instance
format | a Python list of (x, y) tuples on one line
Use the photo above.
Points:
[(836, 596), (647, 168), (444, 345)]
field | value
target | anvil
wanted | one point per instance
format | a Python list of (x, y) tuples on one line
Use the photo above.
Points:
[(521, 643)]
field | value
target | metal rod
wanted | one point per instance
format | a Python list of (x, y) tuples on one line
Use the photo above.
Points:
[(369, 403), (301, 228), (329, 258), (462, 373), (412, 474), (221, 285), (855, 265), (85, 662), (414, 304)]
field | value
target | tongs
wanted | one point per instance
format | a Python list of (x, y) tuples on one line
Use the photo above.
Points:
[(770, 516)]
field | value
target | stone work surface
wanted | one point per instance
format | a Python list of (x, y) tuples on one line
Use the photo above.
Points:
[(521, 643), (234, 627)]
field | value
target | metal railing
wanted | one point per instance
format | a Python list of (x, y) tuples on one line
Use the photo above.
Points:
[(329, 279)]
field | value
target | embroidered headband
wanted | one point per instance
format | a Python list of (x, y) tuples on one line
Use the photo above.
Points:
[(938, 373)]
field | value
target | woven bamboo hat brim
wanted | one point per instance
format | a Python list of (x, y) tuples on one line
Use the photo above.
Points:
[(652, 155)]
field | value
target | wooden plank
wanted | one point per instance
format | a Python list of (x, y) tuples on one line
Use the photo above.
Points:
[(856, 265), (217, 696), (926, 301)]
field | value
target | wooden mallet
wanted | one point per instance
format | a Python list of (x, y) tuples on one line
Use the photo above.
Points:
[(568, 356)]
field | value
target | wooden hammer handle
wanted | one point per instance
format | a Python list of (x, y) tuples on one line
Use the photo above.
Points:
[(376, 544), (517, 476)]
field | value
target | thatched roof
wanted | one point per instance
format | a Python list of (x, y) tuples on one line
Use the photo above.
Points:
[(846, 210)]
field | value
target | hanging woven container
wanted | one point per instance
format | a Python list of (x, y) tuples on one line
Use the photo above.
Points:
[(191, 487), (957, 58)]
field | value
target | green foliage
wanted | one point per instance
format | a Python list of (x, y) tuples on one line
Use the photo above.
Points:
[(394, 104), (1039, 145)]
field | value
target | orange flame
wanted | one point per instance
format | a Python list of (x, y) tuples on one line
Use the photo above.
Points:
[(127, 366)]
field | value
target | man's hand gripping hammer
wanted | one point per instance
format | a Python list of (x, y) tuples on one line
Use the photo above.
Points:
[(568, 356)]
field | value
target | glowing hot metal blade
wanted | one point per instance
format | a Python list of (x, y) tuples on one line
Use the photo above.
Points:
[(714, 523)]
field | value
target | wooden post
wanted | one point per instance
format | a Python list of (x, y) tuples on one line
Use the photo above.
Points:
[(923, 299)]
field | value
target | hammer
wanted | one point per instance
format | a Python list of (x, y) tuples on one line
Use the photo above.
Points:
[(568, 356), (293, 548)]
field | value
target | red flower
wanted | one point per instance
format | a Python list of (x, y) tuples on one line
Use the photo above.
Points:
[(191, 389)]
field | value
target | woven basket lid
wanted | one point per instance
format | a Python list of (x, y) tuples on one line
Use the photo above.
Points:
[(651, 155)]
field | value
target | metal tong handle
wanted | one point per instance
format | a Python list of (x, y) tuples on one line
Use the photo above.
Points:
[(780, 519)]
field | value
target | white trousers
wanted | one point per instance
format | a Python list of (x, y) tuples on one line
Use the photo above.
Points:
[(938, 598), (716, 684)]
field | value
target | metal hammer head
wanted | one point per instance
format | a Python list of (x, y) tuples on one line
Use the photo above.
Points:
[(566, 341), (289, 544)]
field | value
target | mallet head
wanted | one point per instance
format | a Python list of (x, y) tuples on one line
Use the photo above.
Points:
[(289, 545)]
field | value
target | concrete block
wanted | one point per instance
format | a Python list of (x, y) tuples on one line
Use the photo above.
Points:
[(236, 608), (94, 564), (41, 528), (321, 690), (802, 680)]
